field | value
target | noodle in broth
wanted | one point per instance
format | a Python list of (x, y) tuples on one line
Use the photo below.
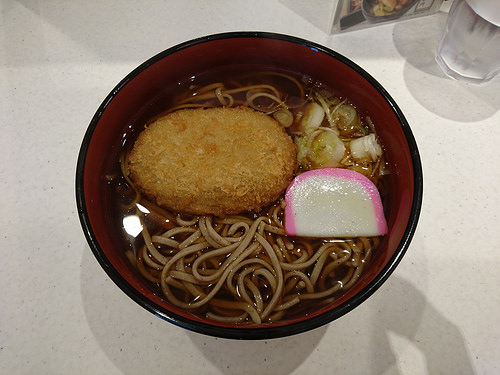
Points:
[(244, 268)]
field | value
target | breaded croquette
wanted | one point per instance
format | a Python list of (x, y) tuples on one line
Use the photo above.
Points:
[(216, 161)]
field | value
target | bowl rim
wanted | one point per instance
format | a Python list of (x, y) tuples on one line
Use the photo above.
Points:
[(250, 333)]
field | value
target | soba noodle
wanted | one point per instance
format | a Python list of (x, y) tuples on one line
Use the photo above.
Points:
[(244, 268)]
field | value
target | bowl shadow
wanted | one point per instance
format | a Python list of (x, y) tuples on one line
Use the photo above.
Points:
[(416, 40), (276, 356), (408, 315), (136, 341)]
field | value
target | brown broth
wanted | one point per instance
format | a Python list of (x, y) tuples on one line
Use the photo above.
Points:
[(121, 194)]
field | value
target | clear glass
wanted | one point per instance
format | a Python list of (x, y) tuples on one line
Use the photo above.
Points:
[(469, 49)]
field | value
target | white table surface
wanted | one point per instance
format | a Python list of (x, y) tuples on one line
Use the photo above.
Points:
[(61, 314)]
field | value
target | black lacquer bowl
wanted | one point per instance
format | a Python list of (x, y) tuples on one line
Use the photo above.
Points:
[(254, 51)]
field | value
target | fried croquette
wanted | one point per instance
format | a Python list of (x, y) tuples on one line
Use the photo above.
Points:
[(216, 161)]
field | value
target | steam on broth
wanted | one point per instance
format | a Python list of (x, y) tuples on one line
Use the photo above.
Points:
[(244, 268)]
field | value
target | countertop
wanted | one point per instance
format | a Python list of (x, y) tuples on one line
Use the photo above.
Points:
[(61, 314)]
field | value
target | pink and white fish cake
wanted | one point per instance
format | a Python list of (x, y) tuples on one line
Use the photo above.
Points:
[(333, 202)]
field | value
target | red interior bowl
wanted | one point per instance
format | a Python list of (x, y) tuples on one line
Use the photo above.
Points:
[(249, 50)]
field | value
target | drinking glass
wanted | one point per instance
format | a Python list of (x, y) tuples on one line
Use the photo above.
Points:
[(469, 49)]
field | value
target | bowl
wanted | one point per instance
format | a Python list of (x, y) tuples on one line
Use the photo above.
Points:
[(372, 18), (366, 14), (122, 109)]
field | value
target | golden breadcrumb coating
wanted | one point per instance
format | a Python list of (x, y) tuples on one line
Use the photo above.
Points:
[(216, 161)]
